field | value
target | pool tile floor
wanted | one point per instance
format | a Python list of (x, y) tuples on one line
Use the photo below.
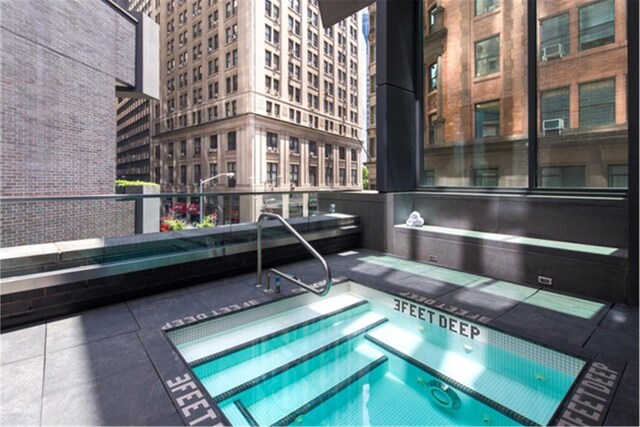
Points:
[(110, 366)]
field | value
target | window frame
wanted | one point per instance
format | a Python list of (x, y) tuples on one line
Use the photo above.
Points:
[(533, 186), (485, 58), (581, 31)]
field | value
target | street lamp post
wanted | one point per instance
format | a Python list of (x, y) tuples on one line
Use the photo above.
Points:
[(202, 183)]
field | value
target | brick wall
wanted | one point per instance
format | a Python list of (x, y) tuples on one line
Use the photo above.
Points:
[(59, 63), (30, 223)]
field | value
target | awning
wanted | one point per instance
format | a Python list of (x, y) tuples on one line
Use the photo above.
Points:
[(333, 11), (179, 207), (193, 209)]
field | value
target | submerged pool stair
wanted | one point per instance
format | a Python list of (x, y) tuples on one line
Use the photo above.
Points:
[(316, 350), (279, 369)]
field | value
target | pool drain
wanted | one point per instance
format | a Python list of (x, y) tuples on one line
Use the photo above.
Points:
[(443, 395)]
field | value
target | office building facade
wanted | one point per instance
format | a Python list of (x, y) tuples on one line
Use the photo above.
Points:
[(371, 98), (258, 89), (476, 105)]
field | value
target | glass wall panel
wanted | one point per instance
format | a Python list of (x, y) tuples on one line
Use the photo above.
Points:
[(475, 93), (582, 83)]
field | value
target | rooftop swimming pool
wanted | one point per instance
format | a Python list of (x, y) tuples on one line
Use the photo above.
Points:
[(364, 357)]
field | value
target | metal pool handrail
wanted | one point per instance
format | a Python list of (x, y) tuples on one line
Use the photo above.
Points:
[(308, 247)]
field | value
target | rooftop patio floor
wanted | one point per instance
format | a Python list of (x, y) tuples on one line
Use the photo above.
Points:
[(112, 365)]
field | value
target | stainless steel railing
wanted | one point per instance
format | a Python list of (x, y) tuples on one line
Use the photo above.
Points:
[(320, 292)]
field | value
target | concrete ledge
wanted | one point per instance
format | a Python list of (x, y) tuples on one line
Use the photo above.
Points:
[(588, 270), (45, 295), (34, 259)]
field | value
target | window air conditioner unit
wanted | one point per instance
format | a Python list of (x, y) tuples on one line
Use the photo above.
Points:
[(552, 124), (553, 51)]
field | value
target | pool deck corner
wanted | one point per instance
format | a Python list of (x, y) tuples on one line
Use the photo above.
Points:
[(113, 365)]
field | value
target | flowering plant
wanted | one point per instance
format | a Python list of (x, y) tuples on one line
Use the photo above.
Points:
[(208, 221), (171, 224)]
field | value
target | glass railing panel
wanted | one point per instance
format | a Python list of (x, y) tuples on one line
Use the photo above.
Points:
[(53, 233)]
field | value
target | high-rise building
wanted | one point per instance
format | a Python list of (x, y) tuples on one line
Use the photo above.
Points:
[(370, 163), (58, 123), (133, 118), (476, 94), (259, 89)]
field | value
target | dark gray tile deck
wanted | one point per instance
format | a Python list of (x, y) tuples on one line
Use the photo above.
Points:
[(154, 313), (622, 318), (22, 391), (112, 365), (23, 344), (553, 328), (613, 345), (90, 326), (90, 362), (624, 408), (127, 398)]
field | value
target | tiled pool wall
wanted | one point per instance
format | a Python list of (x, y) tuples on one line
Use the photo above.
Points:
[(479, 342), (236, 316), (454, 331)]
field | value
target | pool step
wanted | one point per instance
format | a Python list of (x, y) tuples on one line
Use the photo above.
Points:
[(283, 398), (238, 338), (232, 374), (510, 397)]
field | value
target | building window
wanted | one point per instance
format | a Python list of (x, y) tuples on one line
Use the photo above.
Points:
[(197, 146), (432, 20), (196, 174), (354, 176), (272, 174), (294, 145), (294, 174), (488, 56), (157, 149), (170, 176), (213, 143), (618, 176), (485, 6), (313, 176), (231, 168), (596, 22), (183, 148), (213, 169), (342, 153), (183, 175), (231, 141), (554, 110), (272, 141), (328, 151), (433, 77), (429, 177), (488, 119), (342, 176), (328, 175), (432, 129), (554, 37), (597, 103), (485, 177), (313, 149), (563, 176)]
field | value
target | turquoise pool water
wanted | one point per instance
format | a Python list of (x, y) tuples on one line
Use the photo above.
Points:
[(362, 357)]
